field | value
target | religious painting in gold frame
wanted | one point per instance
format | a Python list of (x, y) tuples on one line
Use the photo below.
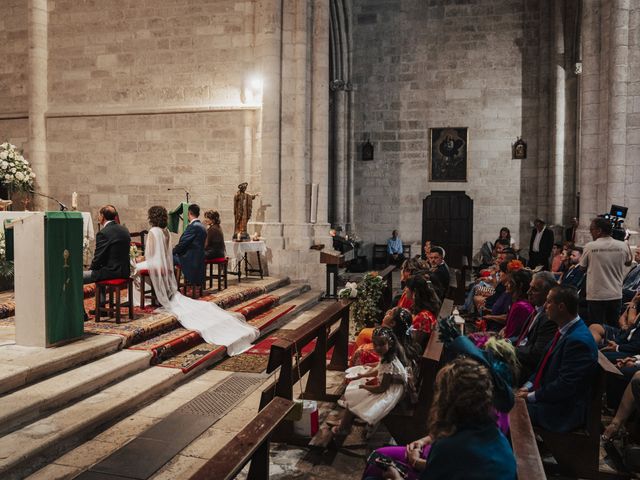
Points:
[(448, 154)]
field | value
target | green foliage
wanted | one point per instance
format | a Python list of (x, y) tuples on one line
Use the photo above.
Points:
[(6, 267), (365, 309)]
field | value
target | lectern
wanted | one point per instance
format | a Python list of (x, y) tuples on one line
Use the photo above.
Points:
[(48, 278), (181, 212)]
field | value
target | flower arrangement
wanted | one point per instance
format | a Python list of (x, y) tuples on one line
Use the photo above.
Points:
[(15, 171), (350, 290), (6, 266), (365, 309), (133, 254)]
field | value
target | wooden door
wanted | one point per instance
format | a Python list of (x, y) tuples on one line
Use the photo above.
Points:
[(447, 220)]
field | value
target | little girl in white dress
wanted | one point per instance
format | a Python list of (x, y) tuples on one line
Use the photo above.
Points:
[(369, 400)]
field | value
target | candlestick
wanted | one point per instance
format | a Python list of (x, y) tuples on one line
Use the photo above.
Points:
[(74, 201)]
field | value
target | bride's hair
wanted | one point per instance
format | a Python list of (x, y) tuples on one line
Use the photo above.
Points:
[(158, 216)]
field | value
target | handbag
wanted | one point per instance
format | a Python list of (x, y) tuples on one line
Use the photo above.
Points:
[(383, 462)]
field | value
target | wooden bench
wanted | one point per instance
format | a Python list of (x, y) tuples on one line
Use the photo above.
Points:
[(286, 352), (523, 441), (249, 445), (381, 257), (578, 452), (407, 424)]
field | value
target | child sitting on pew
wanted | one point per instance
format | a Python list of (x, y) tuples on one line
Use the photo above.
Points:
[(373, 392)]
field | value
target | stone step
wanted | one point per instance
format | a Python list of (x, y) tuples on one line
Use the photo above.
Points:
[(21, 366), (34, 401), (302, 302), (117, 435), (93, 451), (22, 450)]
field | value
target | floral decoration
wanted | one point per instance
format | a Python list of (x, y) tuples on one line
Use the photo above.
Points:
[(349, 291), (15, 171), (365, 308)]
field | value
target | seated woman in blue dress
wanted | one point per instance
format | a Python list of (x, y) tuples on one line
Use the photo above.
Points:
[(464, 440)]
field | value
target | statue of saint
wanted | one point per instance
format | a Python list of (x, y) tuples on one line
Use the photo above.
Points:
[(242, 205)]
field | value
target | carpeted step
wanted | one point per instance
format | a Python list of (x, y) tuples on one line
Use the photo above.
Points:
[(203, 354), (29, 447), (21, 366), (157, 323), (8, 304), (32, 402)]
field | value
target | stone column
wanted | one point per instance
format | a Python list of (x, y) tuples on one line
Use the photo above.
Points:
[(320, 116), (590, 154), (296, 164), (617, 88), (38, 95), (557, 170), (268, 54)]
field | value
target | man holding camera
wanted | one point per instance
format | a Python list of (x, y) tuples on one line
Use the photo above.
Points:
[(606, 260)]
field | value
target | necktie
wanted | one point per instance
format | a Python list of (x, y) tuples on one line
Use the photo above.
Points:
[(543, 364), (525, 329)]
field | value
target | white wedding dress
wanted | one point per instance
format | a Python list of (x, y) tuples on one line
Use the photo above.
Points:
[(214, 324)]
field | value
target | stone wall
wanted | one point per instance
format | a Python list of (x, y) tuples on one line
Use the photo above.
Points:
[(197, 52), (147, 96), (420, 64), (14, 55), (131, 160)]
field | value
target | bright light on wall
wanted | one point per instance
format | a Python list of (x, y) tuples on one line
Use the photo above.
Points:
[(252, 90)]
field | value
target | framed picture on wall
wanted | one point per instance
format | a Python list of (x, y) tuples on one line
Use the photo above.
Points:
[(448, 154)]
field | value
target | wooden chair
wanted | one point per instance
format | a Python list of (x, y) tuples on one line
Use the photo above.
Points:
[(114, 287), (379, 256), (144, 277), (222, 263), (196, 290), (140, 244)]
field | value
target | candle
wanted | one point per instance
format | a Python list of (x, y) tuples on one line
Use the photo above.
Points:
[(74, 201)]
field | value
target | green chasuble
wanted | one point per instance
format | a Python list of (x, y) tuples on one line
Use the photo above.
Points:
[(181, 212)]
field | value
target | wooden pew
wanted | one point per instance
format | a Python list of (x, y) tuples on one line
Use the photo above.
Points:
[(285, 351), (249, 445), (523, 441), (578, 452), (408, 423), (387, 296), (381, 257)]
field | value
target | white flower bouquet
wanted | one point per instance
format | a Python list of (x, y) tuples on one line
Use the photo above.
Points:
[(15, 171)]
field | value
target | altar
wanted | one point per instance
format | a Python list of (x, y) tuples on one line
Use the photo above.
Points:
[(87, 223), (238, 251)]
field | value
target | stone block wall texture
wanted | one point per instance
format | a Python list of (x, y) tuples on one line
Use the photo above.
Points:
[(124, 57), (14, 55), (420, 64), (160, 52), (131, 160)]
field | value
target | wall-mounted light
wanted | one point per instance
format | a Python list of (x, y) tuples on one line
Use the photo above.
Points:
[(339, 84)]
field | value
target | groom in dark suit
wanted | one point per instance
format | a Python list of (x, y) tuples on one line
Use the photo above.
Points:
[(189, 252)]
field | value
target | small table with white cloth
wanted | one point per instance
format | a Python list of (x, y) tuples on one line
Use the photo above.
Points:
[(239, 250)]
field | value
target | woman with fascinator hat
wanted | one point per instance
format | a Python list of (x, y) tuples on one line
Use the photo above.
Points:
[(468, 417)]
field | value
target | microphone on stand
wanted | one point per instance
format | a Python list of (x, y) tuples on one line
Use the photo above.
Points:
[(181, 188), (63, 207)]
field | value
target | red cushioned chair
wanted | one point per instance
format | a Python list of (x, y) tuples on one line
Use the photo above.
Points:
[(110, 287), (222, 264), (196, 290), (144, 277)]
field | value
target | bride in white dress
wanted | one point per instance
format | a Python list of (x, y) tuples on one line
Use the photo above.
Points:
[(214, 324)]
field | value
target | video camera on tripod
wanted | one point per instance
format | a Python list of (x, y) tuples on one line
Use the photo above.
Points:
[(616, 216)]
